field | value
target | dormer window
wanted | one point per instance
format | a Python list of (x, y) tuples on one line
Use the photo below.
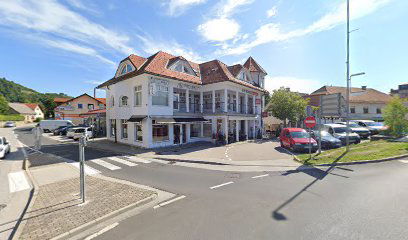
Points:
[(183, 67), (126, 69)]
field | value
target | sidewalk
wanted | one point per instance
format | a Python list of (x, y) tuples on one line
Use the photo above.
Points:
[(56, 210), (208, 153), (15, 187)]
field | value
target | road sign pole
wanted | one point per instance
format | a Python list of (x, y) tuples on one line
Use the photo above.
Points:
[(310, 143), (82, 144)]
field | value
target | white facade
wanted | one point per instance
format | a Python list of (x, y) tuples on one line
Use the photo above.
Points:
[(371, 111), (241, 109), (38, 112)]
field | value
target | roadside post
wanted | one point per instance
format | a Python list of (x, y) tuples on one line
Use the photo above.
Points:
[(310, 123), (37, 133), (82, 144)]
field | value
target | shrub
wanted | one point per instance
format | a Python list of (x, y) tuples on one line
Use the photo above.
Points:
[(12, 117), (395, 117), (38, 119)]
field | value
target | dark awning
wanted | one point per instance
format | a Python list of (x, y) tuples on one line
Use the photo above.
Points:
[(137, 118), (180, 120)]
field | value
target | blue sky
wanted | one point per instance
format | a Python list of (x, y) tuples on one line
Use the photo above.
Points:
[(72, 45)]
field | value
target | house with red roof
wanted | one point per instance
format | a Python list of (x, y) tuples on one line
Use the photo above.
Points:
[(165, 100), (36, 108)]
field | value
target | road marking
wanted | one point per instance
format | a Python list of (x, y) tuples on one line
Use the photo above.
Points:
[(403, 161), (217, 186), (105, 164), (168, 202), (88, 170), (102, 231), (18, 181), (136, 159), (260, 176), (123, 161)]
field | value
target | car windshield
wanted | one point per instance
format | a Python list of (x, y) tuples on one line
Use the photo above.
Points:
[(81, 130), (374, 124), (1, 141), (299, 134), (340, 129), (354, 125)]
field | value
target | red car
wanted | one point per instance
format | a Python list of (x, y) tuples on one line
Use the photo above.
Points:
[(297, 139)]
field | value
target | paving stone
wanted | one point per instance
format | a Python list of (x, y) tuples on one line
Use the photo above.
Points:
[(57, 209)]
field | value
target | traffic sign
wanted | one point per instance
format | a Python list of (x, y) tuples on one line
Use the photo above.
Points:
[(310, 122)]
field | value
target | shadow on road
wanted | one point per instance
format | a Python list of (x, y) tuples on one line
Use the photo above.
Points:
[(317, 173)]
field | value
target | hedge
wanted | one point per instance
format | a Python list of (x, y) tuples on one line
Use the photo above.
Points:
[(12, 117)]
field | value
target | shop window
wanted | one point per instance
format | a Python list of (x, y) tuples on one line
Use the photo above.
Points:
[(207, 129), (160, 132), (138, 132), (124, 128), (195, 130), (112, 127)]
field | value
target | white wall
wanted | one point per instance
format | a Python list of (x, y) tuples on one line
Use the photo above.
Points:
[(372, 111)]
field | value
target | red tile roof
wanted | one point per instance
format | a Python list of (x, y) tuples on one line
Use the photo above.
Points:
[(61, 100), (31, 105), (102, 100), (253, 66), (358, 95), (92, 112), (206, 73)]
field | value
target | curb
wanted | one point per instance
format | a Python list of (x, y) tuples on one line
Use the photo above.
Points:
[(355, 162)]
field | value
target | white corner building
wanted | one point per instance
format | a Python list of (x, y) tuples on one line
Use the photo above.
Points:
[(166, 100)]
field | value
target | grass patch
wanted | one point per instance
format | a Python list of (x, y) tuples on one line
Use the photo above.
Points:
[(11, 117), (365, 151)]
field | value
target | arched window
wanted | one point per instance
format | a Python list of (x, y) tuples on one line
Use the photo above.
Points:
[(123, 101)]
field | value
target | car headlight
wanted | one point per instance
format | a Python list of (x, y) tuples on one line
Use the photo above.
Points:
[(314, 144)]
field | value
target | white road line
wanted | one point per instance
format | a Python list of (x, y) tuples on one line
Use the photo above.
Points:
[(168, 202), (102, 231), (217, 186), (260, 176), (136, 159), (403, 161), (123, 161), (18, 181), (105, 164), (88, 170)]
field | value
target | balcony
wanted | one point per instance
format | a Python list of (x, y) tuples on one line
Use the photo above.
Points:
[(179, 106)]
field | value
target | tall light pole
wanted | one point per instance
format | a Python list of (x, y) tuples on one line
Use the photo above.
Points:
[(348, 78)]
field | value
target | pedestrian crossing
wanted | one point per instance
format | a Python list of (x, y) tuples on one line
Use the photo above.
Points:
[(58, 138), (105, 164)]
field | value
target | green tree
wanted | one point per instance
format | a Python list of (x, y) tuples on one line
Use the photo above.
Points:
[(4, 107), (395, 117), (286, 105)]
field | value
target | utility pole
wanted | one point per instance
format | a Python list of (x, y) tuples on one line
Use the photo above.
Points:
[(348, 78)]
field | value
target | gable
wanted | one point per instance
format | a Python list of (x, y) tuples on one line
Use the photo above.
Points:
[(181, 65), (125, 67)]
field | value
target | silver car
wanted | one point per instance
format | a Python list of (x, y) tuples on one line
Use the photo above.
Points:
[(9, 124), (4, 147)]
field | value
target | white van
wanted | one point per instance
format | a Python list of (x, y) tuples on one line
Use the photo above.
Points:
[(51, 125)]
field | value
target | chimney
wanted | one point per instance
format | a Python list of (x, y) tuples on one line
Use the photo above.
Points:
[(364, 87)]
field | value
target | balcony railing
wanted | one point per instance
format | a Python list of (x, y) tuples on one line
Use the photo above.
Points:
[(179, 106), (232, 107), (194, 107), (219, 107)]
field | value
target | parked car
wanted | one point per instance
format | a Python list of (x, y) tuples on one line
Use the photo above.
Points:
[(339, 131), (77, 132), (373, 127), (51, 125), (9, 124), (63, 131), (363, 132), (327, 140), (58, 130), (4, 147), (297, 139)]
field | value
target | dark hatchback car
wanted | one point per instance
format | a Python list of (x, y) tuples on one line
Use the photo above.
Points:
[(328, 141), (63, 131), (58, 130)]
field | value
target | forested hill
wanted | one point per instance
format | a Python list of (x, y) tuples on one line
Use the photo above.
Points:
[(14, 92)]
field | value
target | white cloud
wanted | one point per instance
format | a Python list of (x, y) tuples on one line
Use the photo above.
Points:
[(222, 27), (272, 32), (295, 84), (94, 82), (178, 7), (152, 46), (52, 20), (272, 12)]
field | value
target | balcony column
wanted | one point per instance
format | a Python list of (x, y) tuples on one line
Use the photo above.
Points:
[(226, 129), (237, 103), (201, 102), (253, 131), (225, 100), (246, 103), (237, 130), (213, 101), (246, 129), (187, 100), (253, 101)]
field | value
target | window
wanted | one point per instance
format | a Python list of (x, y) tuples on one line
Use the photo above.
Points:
[(160, 132), (124, 128), (195, 130), (80, 106), (160, 94), (112, 127), (138, 96), (365, 110), (378, 110), (126, 69), (101, 106), (90, 106), (112, 101), (123, 101), (207, 129), (138, 132), (352, 110)]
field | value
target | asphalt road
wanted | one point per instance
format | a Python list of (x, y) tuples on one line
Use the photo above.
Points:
[(351, 202)]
